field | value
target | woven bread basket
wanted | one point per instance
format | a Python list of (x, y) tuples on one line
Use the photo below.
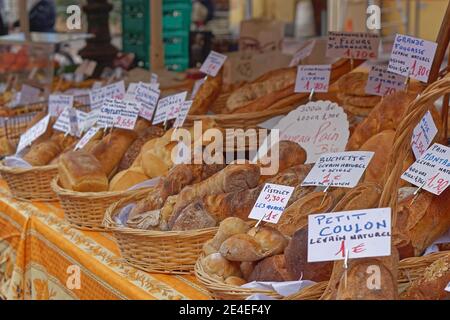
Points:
[(172, 252), (31, 184), (86, 210)]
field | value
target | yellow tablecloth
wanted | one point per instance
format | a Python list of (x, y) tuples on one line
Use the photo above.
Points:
[(40, 255)]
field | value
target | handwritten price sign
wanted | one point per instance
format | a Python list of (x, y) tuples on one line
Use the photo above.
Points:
[(33, 133), (412, 57), (423, 134), (342, 169), (271, 203), (147, 96), (169, 107), (431, 171), (86, 138), (353, 45), (112, 91), (58, 102), (360, 233), (181, 117), (119, 114), (213, 63), (311, 77), (382, 82)]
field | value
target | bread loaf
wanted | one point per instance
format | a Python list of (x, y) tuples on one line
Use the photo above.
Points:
[(126, 179), (193, 216), (42, 153), (82, 172), (241, 247), (431, 285), (110, 150), (364, 195), (297, 265), (207, 94), (218, 266), (227, 228), (271, 269)]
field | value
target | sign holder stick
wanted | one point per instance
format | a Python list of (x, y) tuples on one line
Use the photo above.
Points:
[(325, 193)]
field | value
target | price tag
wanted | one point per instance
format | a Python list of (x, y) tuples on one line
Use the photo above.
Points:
[(423, 134), (320, 127), (33, 133), (118, 114), (90, 120), (29, 94), (57, 103), (184, 111), (311, 77), (271, 202), (360, 233), (431, 171), (112, 91), (412, 57), (353, 45), (196, 87), (303, 52), (147, 96), (69, 121), (169, 107), (342, 169), (86, 138), (382, 82), (213, 63)]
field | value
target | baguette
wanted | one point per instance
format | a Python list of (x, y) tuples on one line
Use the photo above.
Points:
[(43, 153), (207, 94)]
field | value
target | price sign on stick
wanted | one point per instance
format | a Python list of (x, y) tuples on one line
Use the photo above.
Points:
[(423, 134), (181, 117), (382, 82), (118, 114), (341, 169), (213, 63), (412, 57), (353, 45), (87, 137), (311, 77), (33, 133), (360, 233), (112, 91), (57, 103), (70, 121), (147, 96), (169, 107), (431, 171), (271, 203)]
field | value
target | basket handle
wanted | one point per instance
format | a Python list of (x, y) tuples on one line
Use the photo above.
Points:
[(403, 136)]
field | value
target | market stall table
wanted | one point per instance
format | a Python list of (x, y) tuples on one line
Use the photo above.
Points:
[(40, 255)]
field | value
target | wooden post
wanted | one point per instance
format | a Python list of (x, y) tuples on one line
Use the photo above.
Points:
[(24, 19), (156, 41)]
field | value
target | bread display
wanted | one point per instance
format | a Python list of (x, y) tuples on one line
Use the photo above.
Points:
[(208, 92), (82, 172), (126, 179), (40, 154)]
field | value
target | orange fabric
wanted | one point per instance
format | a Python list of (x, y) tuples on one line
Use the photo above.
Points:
[(39, 252)]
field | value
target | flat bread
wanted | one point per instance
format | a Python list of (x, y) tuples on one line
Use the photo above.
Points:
[(357, 101), (354, 83)]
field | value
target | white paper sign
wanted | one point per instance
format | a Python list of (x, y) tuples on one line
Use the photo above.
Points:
[(412, 57), (132, 88), (271, 202), (432, 171), (196, 87), (360, 233), (90, 120), (311, 77), (118, 114), (69, 121), (57, 103), (320, 127), (86, 138), (33, 133), (382, 82), (423, 135), (342, 169), (353, 45), (29, 94), (147, 96), (169, 107), (303, 52), (112, 91), (213, 63), (184, 111)]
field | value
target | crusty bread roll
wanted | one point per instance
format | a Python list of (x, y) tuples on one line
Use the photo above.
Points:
[(193, 217), (271, 269), (241, 247), (110, 150), (82, 172), (227, 228), (216, 265), (271, 241), (42, 153), (126, 179)]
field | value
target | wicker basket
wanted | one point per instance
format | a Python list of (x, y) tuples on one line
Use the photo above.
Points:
[(31, 184), (172, 252), (86, 210)]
